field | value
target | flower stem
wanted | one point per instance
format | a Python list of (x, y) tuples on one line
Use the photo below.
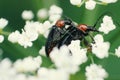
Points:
[(112, 54), (91, 58), (81, 3), (4, 33)]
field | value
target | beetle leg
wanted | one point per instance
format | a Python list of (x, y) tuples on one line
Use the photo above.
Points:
[(93, 41), (89, 46)]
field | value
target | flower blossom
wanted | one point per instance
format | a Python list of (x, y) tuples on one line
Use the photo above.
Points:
[(27, 15), (1, 38), (108, 1), (3, 23), (7, 72), (29, 64), (95, 72), (30, 33), (100, 48), (52, 74), (55, 13), (117, 52), (69, 57), (107, 25), (42, 13), (75, 2), (14, 36), (90, 4)]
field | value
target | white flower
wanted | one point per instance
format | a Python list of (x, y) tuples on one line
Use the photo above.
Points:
[(14, 36), (75, 2), (90, 4), (69, 57), (55, 13), (108, 1), (54, 17), (95, 72), (24, 40), (35, 27), (33, 78), (44, 29), (100, 48), (107, 25), (117, 52), (31, 35), (52, 74), (63, 60), (6, 63), (3, 23), (42, 51), (55, 10), (1, 38), (6, 70), (27, 15), (79, 54), (20, 76), (28, 64), (28, 35), (42, 13)]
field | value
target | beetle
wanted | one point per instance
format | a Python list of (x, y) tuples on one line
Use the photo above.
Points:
[(60, 35)]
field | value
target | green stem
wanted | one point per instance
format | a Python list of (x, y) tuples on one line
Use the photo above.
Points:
[(5, 33), (81, 3), (91, 58), (112, 54)]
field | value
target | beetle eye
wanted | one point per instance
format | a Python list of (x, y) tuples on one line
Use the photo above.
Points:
[(82, 27)]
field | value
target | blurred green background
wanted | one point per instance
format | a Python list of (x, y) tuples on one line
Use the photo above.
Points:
[(12, 9)]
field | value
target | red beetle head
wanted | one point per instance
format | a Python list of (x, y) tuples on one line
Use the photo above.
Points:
[(60, 23), (82, 27)]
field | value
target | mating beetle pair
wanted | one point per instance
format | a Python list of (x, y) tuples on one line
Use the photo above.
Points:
[(60, 35)]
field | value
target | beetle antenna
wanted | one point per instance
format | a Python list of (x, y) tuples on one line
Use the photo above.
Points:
[(99, 18)]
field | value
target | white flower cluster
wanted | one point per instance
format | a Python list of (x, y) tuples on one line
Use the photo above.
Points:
[(42, 13), (33, 29), (3, 24), (54, 13), (27, 15), (95, 72), (117, 52), (52, 74), (69, 58), (7, 72), (90, 4), (107, 25), (30, 33), (100, 48), (108, 1), (29, 69), (28, 64)]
